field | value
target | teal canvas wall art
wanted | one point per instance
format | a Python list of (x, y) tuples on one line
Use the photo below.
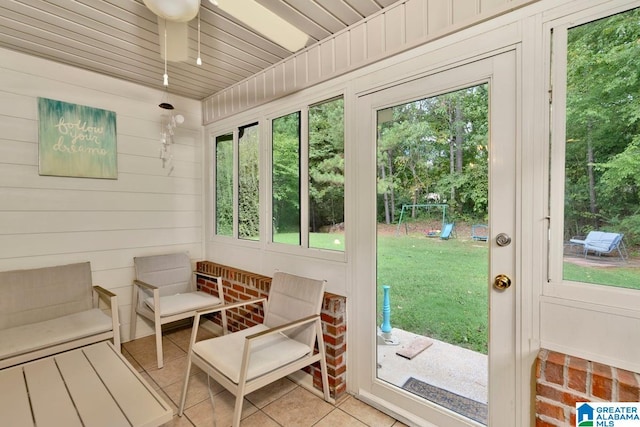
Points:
[(76, 140)]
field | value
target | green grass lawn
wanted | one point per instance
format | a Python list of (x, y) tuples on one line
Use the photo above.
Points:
[(623, 277), (331, 241), (439, 288)]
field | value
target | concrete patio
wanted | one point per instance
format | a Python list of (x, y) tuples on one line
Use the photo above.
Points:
[(443, 365)]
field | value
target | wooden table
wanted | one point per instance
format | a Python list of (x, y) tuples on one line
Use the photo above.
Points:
[(92, 386)]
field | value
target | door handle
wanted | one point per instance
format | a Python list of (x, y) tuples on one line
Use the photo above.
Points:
[(503, 239), (502, 282)]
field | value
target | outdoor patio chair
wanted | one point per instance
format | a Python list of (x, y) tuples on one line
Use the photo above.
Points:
[(164, 292), (247, 360), (480, 232), (601, 242)]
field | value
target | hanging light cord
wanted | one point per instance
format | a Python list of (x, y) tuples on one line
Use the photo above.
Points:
[(199, 60), (165, 77)]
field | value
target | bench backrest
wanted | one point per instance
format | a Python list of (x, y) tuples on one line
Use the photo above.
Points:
[(602, 240), (171, 273), (36, 295)]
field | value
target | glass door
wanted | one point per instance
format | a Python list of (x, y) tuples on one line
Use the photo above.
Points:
[(438, 331)]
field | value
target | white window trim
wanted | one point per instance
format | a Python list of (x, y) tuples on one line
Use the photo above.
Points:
[(610, 298)]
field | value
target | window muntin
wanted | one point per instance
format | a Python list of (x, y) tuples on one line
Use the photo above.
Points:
[(248, 183), (601, 149), (286, 179), (326, 175), (224, 185)]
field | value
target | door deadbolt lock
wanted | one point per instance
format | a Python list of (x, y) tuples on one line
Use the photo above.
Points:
[(503, 239), (502, 282)]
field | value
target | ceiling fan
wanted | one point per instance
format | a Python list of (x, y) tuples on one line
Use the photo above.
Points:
[(174, 16), (173, 26)]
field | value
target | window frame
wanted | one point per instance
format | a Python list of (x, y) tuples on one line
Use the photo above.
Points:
[(306, 218), (212, 221), (302, 167), (214, 185), (303, 248), (596, 296), (264, 117), (236, 186)]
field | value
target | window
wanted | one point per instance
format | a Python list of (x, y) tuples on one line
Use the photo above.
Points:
[(248, 183), (308, 177), (307, 180), (286, 179), (238, 214), (596, 151), (224, 185), (326, 175)]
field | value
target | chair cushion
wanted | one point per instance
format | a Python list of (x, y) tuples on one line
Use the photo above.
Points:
[(32, 337), (267, 353), (182, 303)]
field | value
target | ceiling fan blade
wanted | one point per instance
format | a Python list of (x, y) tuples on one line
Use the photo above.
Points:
[(177, 39), (265, 22)]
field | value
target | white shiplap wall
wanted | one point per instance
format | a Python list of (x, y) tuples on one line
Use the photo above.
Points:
[(399, 27), (48, 220)]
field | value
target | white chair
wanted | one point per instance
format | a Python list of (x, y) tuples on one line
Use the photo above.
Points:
[(247, 360), (164, 292)]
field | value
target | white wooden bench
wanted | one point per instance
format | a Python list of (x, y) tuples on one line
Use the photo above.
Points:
[(90, 386), (48, 310)]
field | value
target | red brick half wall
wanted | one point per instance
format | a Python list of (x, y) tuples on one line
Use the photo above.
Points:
[(562, 380)]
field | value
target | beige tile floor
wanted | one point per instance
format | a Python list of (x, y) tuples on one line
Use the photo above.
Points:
[(282, 403)]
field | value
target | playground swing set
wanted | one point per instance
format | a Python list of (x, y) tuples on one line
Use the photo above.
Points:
[(447, 230)]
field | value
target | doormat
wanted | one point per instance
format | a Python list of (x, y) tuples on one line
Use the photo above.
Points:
[(462, 405)]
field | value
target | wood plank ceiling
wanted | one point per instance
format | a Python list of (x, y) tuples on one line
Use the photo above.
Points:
[(119, 38)]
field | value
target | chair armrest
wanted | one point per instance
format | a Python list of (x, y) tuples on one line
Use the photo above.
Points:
[(208, 276), (213, 309), (217, 279), (284, 327), (246, 352), (113, 305), (144, 284), (103, 292)]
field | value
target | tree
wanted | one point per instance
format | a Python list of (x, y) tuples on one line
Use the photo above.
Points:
[(224, 185), (249, 183), (602, 121), (326, 164), (435, 145), (407, 141), (286, 173)]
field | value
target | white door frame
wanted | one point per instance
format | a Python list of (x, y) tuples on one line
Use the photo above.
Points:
[(500, 72)]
